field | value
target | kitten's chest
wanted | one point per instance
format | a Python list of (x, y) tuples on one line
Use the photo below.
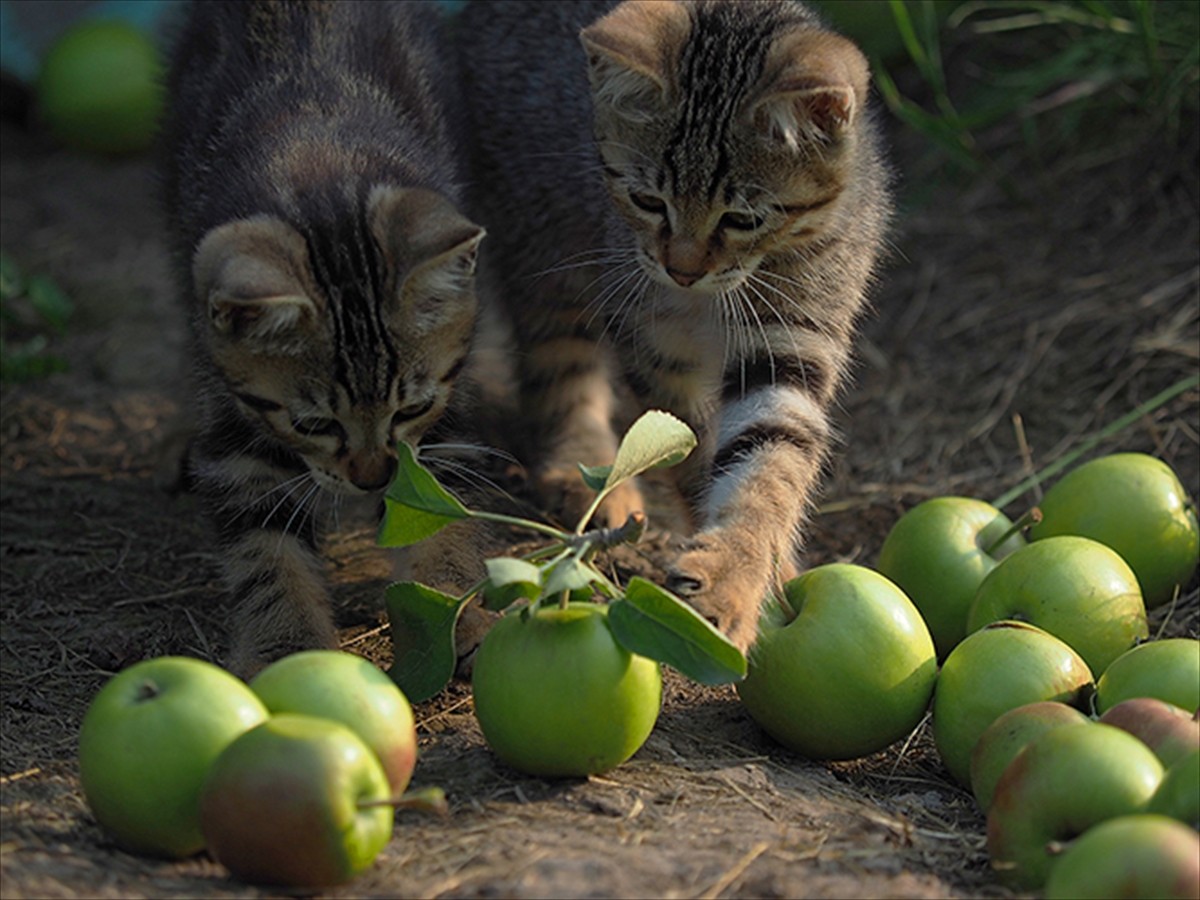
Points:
[(676, 351)]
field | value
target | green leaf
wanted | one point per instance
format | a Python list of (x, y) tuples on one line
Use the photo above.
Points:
[(656, 439), (653, 622), (402, 525), (571, 574), (509, 580), (422, 622), (51, 303), (416, 505), (594, 476), (26, 360)]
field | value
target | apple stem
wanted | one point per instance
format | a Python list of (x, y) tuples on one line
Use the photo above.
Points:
[(427, 800), (1032, 517), (147, 690)]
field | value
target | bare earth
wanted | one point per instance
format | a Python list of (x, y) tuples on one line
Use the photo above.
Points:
[(1007, 331)]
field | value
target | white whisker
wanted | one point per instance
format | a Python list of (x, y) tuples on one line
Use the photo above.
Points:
[(295, 512), (467, 450), (296, 483), (467, 474)]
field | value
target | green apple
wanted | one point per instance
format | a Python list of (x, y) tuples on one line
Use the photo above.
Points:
[(1009, 735), (557, 696), (1135, 504), (101, 87), (1075, 588), (1163, 727), (1064, 782), (1000, 667), (1134, 857), (845, 669), (1179, 794), (297, 801), (1168, 669), (147, 742), (351, 690), (939, 552)]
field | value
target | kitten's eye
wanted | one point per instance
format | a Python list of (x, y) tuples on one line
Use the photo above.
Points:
[(412, 411), (739, 221), (318, 426), (649, 203)]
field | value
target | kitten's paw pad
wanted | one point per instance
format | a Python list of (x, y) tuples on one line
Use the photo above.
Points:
[(473, 625)]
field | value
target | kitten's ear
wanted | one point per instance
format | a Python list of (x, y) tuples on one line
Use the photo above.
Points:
[(249, 273), (632, 51), (433, 246), (814, 85)]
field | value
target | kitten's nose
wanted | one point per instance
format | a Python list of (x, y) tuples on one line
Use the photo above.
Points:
[(372, 474), (685, 259), (684, 279)]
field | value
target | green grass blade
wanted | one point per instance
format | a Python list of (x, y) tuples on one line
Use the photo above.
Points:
[(1124, 422)]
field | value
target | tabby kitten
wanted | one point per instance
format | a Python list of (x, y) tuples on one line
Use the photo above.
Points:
[(311, 187), (689, 194)]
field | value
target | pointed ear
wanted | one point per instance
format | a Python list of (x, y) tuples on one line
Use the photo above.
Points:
[(632, 53), (249, 273), (433, 248), (814, 85)]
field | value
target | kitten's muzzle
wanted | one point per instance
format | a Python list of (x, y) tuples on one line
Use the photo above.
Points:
[(371, 474)]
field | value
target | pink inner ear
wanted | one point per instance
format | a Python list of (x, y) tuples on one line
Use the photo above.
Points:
[(829, 109)]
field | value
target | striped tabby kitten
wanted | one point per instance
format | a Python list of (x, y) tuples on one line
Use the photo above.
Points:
[(688, 194), (311, 192)]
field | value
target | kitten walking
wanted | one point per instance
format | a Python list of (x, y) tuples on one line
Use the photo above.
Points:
[(312, 192), (688, 195)]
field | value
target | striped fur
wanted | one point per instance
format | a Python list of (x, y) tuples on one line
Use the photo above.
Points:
[(312, 195), (688, 195)]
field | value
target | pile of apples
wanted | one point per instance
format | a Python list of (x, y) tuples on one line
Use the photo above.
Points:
[(291, 780), (1078, 735)]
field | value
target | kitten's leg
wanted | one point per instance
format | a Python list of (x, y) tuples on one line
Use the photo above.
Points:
[(281, 602), (771, 444), (567, 389), (269, 558)]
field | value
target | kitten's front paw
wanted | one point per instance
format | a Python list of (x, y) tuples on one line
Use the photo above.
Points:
[(254, 651), (723, 583), (562, 490)]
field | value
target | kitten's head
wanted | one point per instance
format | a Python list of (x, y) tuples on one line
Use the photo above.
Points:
[(727, 131), (345, 338)]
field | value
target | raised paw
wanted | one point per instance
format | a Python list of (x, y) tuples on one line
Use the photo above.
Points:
[(562, 490), (723, 583)]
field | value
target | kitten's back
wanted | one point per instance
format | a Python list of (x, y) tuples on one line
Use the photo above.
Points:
[(245, 69)]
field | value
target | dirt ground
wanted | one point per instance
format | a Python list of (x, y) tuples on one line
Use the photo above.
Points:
[(1007, 330)]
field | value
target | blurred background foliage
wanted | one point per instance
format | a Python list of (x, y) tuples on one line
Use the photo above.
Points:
[(970, 76), (1004, 90), (975, 77)]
